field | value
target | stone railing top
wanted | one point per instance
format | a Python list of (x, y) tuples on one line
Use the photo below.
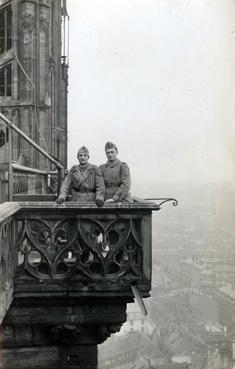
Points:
[(81, 206), (8, 209)]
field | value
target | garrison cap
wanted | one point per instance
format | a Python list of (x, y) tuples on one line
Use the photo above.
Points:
[(83, 149), (110, 145)]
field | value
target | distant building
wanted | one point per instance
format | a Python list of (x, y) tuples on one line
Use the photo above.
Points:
[(33, 78), (225, 298), (161, 279), (202, 272), (131, 351), (224, 272), (137, 322), (195, 273)]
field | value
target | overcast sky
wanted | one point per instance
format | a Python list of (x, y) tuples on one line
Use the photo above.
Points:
[(157, 77)]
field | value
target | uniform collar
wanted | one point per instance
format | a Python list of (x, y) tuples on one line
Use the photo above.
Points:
[(113, 163), (83, 167)]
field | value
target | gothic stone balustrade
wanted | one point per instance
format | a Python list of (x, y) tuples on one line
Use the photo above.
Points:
[(83, 251), (72, 278)]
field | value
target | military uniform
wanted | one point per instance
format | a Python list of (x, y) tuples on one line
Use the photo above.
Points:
[(117, 181), (85, 183)]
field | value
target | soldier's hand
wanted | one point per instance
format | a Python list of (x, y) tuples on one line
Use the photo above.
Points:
[(99, 203), (60, 200), (109, 200)]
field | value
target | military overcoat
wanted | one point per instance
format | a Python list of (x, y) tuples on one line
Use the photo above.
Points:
[(85, 184), (117, 180)]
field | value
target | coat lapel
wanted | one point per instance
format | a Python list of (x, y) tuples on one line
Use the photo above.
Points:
[(80, 177), (113, 164)]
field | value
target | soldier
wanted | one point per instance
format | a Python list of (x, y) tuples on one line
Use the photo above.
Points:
[(85, 181), (116, 176)]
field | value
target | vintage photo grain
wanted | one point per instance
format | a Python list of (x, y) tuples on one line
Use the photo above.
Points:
[(117, 207)]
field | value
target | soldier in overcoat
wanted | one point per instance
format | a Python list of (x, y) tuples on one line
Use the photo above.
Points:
[(116, 175), (84, 181)]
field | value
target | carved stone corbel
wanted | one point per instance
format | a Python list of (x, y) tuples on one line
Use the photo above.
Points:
[(105, 331), (27, 22), (44, 19)]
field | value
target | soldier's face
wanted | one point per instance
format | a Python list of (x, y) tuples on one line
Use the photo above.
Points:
[(83, 158), (111, 154)]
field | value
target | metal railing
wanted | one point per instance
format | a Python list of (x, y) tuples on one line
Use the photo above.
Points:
[(11, 183), (28, 183)]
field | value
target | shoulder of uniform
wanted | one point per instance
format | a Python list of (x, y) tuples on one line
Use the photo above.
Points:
[(73, 168), (124, 164), (91, 166), (98, 170), (102, 166), (125, 168), (94, 168)]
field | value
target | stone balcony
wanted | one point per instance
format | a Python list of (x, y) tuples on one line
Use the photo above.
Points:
[(87, 251), (67, 275)]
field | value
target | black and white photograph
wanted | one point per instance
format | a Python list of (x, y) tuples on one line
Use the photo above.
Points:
[(117, 184)]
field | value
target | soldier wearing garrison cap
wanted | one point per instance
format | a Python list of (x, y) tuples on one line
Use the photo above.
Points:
[(116, 176), (84, 181)]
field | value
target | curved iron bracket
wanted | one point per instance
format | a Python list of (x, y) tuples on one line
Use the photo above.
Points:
[(163, 200)]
